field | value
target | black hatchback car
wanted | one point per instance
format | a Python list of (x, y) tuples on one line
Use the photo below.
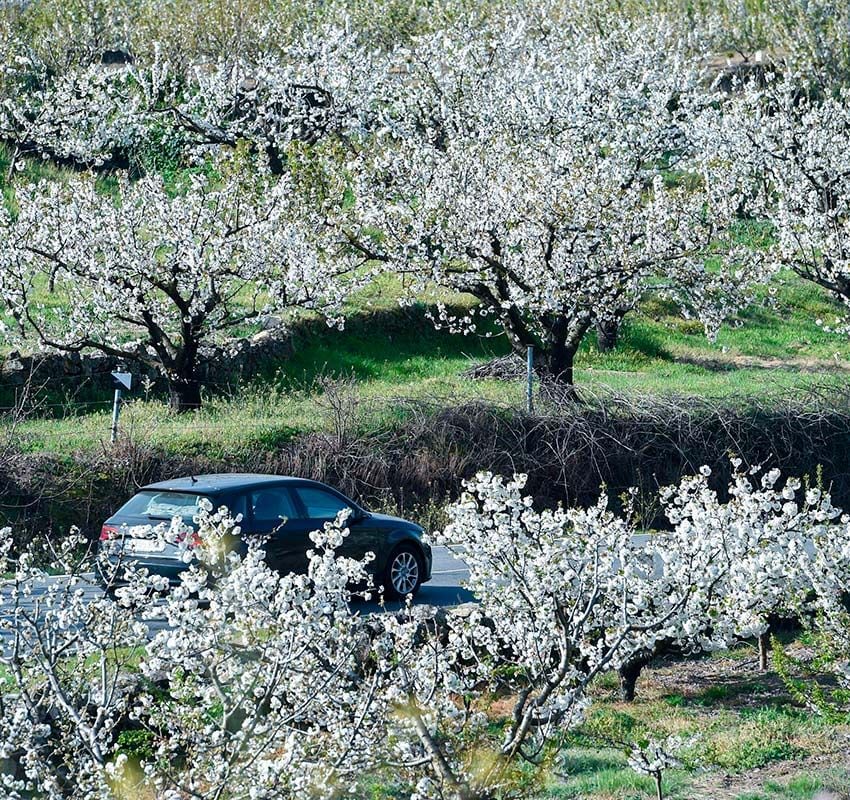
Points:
[(286, 510)]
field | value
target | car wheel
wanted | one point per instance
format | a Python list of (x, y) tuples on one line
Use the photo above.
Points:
[(403, 573)]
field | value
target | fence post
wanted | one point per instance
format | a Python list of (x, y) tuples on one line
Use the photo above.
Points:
[(122, 381), (529, 389), (116, 410)]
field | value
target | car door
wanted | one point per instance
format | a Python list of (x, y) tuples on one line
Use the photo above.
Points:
[(274, 514), (319, 505)]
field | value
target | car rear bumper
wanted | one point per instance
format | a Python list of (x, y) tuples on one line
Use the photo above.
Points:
[(169, 568)]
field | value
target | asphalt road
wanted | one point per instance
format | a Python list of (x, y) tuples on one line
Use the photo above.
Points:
[(444, 589)]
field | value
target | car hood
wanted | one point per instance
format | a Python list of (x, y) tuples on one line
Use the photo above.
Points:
[(386, 520)]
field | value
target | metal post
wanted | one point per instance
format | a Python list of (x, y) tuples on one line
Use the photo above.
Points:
[(116, 410), (529, 390)]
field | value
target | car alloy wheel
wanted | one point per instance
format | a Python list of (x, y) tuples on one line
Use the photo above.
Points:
[(404, 573)]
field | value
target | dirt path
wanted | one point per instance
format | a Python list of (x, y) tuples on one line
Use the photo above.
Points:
[(719, 362), (830, 770)]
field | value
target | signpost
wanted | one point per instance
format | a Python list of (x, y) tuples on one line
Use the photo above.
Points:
[(122, 381), (529, 390)]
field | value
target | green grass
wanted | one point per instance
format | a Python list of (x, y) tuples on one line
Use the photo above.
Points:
[(744, 741), (604, 772), (804, 787), (395, 355), (741, 729)]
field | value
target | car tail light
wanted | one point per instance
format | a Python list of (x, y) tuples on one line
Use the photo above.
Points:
[(192, 538), (108, 532)]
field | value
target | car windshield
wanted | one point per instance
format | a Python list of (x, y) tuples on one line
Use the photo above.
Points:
[(164, 505)]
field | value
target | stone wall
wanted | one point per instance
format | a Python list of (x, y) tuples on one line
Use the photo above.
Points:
[(228, 363)]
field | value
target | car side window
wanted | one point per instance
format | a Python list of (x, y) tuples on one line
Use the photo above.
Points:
[(271, 505), (320, 504), (239, 505)]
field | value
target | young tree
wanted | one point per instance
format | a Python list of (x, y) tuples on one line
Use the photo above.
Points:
[(66, 655), (173, 270), (281, 659), (541, 172), (258, 693), (775, 547), (564, 595)]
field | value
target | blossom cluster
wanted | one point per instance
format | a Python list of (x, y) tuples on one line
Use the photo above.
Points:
[(266, 685), (553, 171)]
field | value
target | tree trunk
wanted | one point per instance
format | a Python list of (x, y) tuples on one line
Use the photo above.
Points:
[(184, 394), (764, 646), (608, 333), (556, 363), (184, 388), (560, 345), (659, 787), (629, 674)]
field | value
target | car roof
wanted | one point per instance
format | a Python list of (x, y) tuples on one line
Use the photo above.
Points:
[(223, 482)]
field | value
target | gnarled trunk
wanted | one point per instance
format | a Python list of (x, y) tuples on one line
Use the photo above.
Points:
[(561, 343), (629, 672), (181, 370), (557, 364), (608, 333), (184, 394)]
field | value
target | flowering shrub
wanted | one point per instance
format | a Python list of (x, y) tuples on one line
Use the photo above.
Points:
[(265, 685)]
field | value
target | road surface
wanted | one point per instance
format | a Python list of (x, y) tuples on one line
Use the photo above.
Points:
[(444, 589)]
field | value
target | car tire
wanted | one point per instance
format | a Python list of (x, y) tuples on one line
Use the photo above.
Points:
[(403, 573)]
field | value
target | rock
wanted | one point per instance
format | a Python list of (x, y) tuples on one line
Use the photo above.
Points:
[(465, 609), (11, 365), (263, 337), (827, 794), (270, 322)]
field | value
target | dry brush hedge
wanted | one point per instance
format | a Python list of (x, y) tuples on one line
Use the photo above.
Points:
[(415, 459)]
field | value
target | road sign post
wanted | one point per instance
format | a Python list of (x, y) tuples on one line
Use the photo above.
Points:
[(122, 381)]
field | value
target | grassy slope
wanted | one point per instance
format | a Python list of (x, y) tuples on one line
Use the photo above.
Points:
[(767, 350), (745, 739), (394, 354)]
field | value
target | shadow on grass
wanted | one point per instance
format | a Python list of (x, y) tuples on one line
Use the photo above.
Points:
[(383, 344), (396, 344)]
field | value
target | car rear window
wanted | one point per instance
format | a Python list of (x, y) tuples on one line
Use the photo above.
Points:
[(164, 505)]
